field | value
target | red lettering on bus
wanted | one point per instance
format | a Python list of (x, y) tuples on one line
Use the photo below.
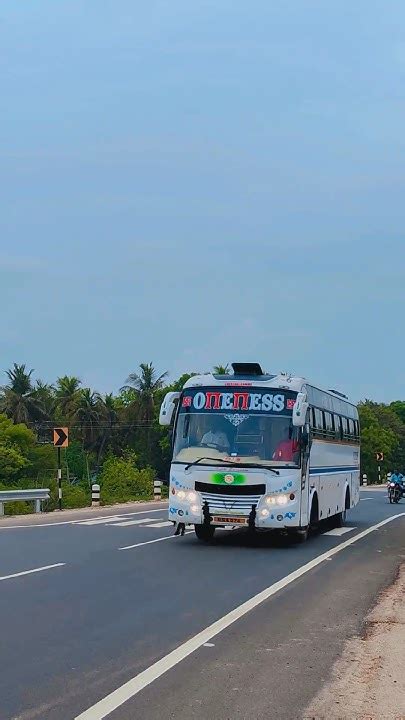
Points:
[(216, 397), (244, 396)]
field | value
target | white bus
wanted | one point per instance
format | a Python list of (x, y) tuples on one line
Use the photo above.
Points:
[(265, 452)]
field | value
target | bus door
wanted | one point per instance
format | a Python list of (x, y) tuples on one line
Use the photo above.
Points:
[(305, 485)]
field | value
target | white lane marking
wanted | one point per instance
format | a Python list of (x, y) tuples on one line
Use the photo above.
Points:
[(76, 522), (337, 532), (101, 521), (166, 523), (29, 572), (133, 522), (149, 542), (118, 697), (363, 499), (209, 644)]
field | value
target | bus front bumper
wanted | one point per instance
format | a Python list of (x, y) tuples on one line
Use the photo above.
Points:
[(267, 515)]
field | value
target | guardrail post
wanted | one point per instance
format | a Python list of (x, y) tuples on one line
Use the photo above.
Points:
[(1, 508), (364, 479), (157, 489), (95, 495), (37, 506)]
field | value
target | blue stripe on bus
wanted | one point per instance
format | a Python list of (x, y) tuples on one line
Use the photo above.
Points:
[(328, 470)]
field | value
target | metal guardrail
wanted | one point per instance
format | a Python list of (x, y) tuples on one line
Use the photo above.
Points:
[(37, 496)]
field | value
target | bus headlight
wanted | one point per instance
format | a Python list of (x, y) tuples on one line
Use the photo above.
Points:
[(181, 494), (191, 496), (278, 499)]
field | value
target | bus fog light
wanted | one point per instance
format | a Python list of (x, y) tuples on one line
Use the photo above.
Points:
[(264, 513), (181, 494), (194, 508), (282, 500), (270, 501)]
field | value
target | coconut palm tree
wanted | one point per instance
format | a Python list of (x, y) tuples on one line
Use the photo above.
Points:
[(45, 394), (67, 395), (221, 369), (109, 417), (18, 399), (88, 414), (145, 385)]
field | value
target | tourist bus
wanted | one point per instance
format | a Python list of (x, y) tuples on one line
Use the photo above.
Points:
[(261, 451)]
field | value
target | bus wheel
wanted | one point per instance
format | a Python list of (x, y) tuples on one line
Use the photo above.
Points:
[(301, 535), (204, 532), (340, 519)]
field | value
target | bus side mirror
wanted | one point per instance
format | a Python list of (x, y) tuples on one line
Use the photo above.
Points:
[(168, 407), (300, 410)]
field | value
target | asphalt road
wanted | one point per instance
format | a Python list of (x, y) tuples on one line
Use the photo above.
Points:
[(97, 624)]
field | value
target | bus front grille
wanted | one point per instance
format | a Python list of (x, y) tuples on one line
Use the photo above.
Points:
[(239, 503)]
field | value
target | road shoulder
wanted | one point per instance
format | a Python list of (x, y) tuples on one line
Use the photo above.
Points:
[(368, 680)]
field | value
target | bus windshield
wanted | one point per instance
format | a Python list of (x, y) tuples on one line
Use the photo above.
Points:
[(252, 425)]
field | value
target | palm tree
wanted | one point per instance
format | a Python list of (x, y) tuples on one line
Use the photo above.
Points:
[(20, 379), (45, 394), (67, 395), (108, 418), (18, 399), (88, 414), (145, 385), (221, 369)]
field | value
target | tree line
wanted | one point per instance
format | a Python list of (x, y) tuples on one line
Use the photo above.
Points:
[(117, 438)]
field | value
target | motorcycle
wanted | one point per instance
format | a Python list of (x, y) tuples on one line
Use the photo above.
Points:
[(394, 492)]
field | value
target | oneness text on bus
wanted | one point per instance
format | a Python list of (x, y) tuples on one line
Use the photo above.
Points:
[(238, 400)]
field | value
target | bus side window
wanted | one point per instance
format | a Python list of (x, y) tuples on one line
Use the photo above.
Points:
[(338, 427), (351, 428), (345, 428), (356, 430), (329, 431), (319, 423)]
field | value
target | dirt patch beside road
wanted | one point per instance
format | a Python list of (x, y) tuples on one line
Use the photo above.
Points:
[(368, 681)]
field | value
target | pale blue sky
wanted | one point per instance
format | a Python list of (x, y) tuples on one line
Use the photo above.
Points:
[(199, 182)]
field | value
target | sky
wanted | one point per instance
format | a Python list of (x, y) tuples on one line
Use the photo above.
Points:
[(195, 183)]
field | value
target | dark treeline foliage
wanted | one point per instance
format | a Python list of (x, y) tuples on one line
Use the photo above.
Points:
[(117, 438), (114, 438)]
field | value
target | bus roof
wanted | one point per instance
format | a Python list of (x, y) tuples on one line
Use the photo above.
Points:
[(281, 381)]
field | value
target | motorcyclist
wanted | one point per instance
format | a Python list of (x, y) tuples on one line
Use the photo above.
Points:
[(398, 479)]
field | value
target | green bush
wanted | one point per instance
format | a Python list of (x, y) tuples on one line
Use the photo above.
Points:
[(120, 480)]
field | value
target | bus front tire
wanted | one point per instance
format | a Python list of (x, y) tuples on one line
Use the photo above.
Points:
[(204, 532), (301, 535)]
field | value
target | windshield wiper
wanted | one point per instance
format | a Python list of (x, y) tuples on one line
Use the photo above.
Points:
[(229, 462), (195, 462)]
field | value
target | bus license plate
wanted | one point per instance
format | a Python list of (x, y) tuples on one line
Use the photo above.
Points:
[(230, 520)]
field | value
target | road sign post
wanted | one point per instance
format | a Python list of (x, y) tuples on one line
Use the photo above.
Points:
[(379, 456), (60, 440)]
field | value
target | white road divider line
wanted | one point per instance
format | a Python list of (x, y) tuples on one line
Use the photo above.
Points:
[(338, 532), (131, 688), (101, 521), (166, 523), (363, 499), (77, 522), (134, 522), (30, 572), (149, 542)]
